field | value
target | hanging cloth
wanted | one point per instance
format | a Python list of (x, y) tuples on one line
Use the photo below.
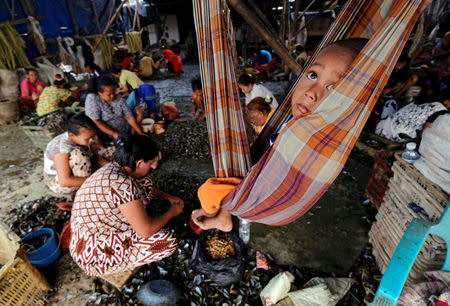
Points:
[(225, 123), (310, 152)]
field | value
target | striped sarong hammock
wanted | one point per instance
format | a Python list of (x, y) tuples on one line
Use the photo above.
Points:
[(310, 152)]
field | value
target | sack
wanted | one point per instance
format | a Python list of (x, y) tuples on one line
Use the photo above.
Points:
[(277, 288), (225, 271), (9, 83)]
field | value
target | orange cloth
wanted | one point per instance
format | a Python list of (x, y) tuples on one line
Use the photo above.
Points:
[(214, 190)]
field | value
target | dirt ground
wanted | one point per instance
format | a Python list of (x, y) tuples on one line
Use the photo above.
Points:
[(329, 238)]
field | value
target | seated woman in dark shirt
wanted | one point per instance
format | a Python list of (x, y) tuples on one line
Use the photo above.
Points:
[(109, 111)]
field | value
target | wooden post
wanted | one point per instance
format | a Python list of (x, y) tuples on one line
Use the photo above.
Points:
[(72, 15), (110, 22), (276, 45), (97, 22)]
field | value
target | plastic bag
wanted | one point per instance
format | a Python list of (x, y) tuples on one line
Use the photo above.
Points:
[(225, 271), (277, 288), (321, 291)]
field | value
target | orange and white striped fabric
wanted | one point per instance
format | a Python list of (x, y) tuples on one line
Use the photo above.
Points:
[(226, 128), (310, 152)]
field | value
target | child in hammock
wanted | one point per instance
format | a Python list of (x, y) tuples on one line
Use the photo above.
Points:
[(317, 81)]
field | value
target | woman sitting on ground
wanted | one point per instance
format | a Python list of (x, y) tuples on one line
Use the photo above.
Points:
[(53, 97), (251, 90), (259, 112), (69, 158), (109, 111), (111, 231), (31, 88)]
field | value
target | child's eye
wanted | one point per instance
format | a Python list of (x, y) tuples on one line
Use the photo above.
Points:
[(312, 76), (330, 87)]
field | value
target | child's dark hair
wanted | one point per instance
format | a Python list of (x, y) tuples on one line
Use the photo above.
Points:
[(31, 69), (76, 121), (98, 84), (116, 69), (259, 104), (353, 45), (134, 148), (196, 84), (246, 79), (92, 65)]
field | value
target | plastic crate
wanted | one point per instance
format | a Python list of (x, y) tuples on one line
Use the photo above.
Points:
[(379, 178), (40, 136), (20, 282)]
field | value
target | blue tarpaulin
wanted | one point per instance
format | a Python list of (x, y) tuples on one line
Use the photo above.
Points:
[(57, 20)]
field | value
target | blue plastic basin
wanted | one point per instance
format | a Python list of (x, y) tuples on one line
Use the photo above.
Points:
[(46, 254)]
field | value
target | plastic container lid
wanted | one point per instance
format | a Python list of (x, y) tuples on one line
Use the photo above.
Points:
[(411, 146)]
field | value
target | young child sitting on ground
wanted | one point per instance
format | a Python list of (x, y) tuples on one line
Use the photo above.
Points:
[(328, 68), (69, 158), (197, 100)]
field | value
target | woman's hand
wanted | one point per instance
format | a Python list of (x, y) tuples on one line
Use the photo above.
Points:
[(176, 206)]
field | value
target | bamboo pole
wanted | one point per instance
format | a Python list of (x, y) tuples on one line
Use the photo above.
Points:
[(296, 21), (137, 13), (97, 22), (72, 15), (135, 16), (30, 7), (25, 7), (276, 45), (110, 22), (130, 14)]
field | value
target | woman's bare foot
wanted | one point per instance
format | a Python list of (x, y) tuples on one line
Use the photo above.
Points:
[(221, 221)]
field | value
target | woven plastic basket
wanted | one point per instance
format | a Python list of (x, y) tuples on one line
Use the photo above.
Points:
[(39, 135), (408, 186), (20, 282)]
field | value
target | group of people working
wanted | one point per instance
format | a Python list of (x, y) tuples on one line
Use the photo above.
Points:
[(111, 229)]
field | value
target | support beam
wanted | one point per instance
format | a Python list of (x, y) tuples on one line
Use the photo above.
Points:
[(72, 15), (110, 22), (257, 25)]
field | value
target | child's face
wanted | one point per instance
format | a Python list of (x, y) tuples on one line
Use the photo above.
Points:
[(198, 94), (318, 80)]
